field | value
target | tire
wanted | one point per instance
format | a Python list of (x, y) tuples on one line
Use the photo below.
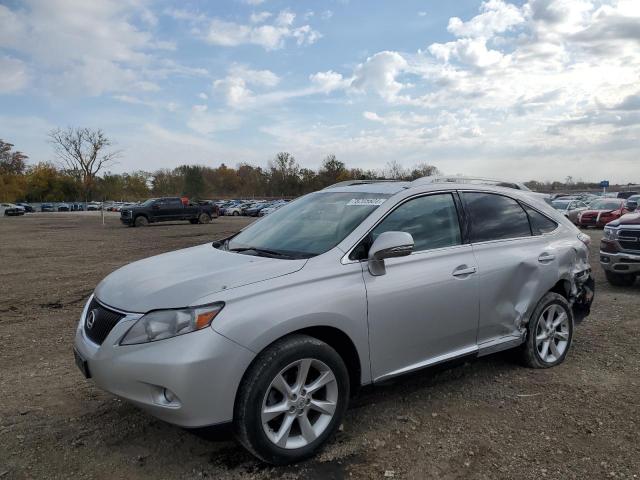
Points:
[(141, 221), (236, 214), (204, 218), (259, 390), (620, 279), (552, 308)]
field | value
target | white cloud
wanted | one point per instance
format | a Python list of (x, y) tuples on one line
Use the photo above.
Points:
[(259, 17), (496, 17), (236, 86), (379, 74), (253, 2), (329, 81), (270, 36), (85, 46), (13, 75)]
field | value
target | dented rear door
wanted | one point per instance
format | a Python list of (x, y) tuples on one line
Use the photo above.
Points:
[(513, 275)]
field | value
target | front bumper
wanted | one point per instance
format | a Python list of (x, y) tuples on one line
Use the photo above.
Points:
[(126, 220), (202, 369), (620, 262)]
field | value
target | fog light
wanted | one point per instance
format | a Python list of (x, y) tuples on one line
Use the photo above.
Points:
[(169, 396), (604, 259)]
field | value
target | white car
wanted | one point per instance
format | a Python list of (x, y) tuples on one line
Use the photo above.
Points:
[(233, 211)]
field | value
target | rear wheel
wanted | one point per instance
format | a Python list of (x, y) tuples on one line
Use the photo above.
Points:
[(620, 279), (549, 333), (204, 218), (141, 221), (291, 400)]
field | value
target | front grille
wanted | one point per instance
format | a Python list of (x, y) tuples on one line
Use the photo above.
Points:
[(629, 239), (103, 322), (125, 213)]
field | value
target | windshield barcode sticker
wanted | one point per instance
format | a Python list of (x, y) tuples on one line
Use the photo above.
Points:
[(366, 201)]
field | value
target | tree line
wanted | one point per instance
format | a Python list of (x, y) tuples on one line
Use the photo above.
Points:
[(85, 156)]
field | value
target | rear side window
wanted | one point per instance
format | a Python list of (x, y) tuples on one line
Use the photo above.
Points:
[(431, 220), (539, 223), (495, 217)]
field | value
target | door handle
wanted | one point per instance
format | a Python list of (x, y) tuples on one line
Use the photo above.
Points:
[(463, 271), (546, 257)]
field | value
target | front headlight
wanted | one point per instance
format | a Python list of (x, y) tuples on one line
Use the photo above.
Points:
[(161, 324), (610, 233)]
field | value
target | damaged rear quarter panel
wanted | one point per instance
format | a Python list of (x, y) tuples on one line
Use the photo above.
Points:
[(513, 280)]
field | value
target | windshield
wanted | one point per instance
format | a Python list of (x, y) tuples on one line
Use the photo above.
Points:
[(606, 205), (146, 203), (560, 205), (310, 225)]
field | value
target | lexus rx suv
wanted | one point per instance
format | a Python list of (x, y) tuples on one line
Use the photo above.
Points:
[(274, 328)]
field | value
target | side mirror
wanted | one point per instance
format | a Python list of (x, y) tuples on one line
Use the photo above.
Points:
[(388, 245), (632, 205)]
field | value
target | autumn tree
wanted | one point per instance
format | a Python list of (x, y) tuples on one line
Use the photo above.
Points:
[(84, 153), (12, 169)]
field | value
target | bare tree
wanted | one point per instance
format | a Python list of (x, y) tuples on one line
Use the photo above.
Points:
[(394, 170), (84, 152)]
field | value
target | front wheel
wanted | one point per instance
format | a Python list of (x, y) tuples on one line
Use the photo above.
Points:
[(620, 279), (291, 400), (236, 214), (549, 333), (141, 221)]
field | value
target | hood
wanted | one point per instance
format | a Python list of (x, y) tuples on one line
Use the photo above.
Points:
[(628, 219), (178, 279)]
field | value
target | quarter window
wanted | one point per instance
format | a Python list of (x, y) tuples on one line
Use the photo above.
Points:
[(432, 221), (495, 217), (539, 223)]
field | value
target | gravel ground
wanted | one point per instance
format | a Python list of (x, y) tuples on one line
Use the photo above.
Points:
[(486, 419)]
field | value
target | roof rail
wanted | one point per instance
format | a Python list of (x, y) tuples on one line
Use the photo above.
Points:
[(470, 180), (348, 183)]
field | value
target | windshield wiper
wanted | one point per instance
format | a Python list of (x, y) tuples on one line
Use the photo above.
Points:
[(262, 251)]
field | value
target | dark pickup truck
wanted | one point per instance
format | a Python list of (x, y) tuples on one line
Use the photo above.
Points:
[(620, 248), (167, 209)]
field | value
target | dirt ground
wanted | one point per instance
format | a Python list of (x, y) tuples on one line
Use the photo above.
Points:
[(487, 419)]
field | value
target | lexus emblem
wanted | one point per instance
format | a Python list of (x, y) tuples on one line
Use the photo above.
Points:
[(91, 318)]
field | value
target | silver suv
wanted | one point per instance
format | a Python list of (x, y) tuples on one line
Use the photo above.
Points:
[(273, 329)]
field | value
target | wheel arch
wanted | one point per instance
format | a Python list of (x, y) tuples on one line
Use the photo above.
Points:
[(336, 339)]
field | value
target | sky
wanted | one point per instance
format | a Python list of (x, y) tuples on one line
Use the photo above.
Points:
[(536, 89)]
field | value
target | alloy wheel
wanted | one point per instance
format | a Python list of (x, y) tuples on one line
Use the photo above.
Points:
[(299, 404), (552, 333)]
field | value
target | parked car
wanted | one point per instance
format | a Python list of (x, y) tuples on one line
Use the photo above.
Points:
[(233, 210), (620, 248), (166, 209), (601, 212), (569, 208), (94, 206), (271, 208), (77, 207), (64, 207), (626, 195), (11, 210), (47, 207), (255, 210), (27, 208), (272, 328)]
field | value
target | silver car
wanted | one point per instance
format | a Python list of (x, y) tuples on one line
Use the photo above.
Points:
[(274, 328)]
